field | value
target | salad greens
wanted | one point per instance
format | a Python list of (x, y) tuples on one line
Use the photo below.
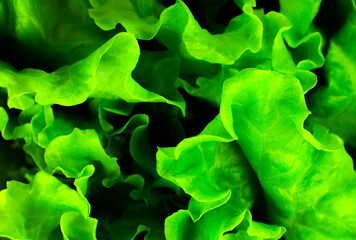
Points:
[(177, 120)]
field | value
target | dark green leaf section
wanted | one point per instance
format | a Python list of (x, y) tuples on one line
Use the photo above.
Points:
[(47, 34), (334, 106)]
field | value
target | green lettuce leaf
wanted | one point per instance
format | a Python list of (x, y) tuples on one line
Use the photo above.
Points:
[(141, 18), (76, 154), (103, 102), (222, 224), (301, 14), (199, 165), (95, 76), (306, 188), (213, 171), (85, 228), (209, 89), (27, 127), (176, 23), (243, 33), (158, 72), (334, 106), (58, 32), (42, 209), (251, 230), (105, 108), (281, 53)]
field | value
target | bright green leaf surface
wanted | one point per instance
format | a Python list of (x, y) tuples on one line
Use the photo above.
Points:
[(300, 13), (177, 23), (251, 230), (214, 172), (73, 84), (40, 207), (84, 228), (138, 17), (199, 164), (118, 101), (221, 221), (306, 189), (76, 155)]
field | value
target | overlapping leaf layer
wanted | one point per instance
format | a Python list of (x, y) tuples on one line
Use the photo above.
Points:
[(177, 120)]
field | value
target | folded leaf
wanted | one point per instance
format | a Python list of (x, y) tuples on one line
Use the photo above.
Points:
[(95, 76), (243, 33), (206, 166), (85, 228), (76, 155), (251, 230), (138, 17), (36, 210), (334, 106), (221, 221), (213, 170), (305, 188), (53, 33), (300, 13)]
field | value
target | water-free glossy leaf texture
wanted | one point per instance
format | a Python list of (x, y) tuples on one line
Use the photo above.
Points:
[(301, 14), (176, 26), (4, 119), (283, 54), (140, 148), (210, 89), (60, 32), (243, 33), (59, 127), (222, 222), (76, 154), (105, 108), (251, 230), (305, 41), (34, 119), (308, 191), (18, 166), (90, 88), (213, 170), (219, 220), (139, 143), (274, 54), (137, 16), (29, 124), (334, 106), (306, 54), (37, 210), (106, 73), (197, 164), (158, 72), (282, 60), (84, 228)]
